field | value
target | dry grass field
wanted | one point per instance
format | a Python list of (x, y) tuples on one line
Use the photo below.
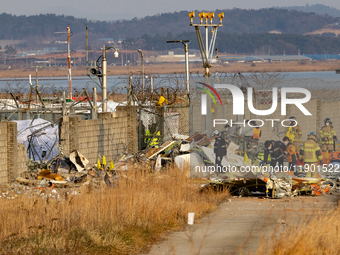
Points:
[(318, 236), (119, 220), (293, 66)]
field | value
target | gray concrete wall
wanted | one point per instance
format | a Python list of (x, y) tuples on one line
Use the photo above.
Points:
[(108, 136), (22, 159), (319, 110)]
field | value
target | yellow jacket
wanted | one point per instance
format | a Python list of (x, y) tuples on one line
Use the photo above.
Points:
[(326, 134), (155, 139), (294, 133), (310, 151)]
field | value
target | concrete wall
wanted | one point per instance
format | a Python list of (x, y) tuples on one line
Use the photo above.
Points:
[(109, 135), (22, 159), (319, 110), (13, 156), (3, 153)]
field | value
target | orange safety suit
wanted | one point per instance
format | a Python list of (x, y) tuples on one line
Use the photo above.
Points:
[(256, 133)]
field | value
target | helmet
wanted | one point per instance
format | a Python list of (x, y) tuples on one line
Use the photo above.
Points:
[(292, 118), (327, 120), (312, 135), (215, 132)]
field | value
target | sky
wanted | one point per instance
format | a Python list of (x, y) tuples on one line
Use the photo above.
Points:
[(109, 10)]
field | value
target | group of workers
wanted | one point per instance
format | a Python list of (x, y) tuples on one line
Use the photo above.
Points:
[(310, 151)]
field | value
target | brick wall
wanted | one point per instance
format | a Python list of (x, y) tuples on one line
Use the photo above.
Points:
[(13, 156), (109, 135), (3, 152)]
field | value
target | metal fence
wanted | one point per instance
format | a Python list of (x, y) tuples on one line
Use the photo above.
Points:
[(182, 114)]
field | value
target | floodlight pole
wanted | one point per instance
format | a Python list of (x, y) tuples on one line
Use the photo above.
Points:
[(206, 54)]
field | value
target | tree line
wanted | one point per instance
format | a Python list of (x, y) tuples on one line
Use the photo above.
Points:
[(243, 31)]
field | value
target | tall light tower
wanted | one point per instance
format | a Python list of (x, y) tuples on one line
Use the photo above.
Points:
[(206, 21)]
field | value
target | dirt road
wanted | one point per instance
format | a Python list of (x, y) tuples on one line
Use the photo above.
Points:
[(240, 224)]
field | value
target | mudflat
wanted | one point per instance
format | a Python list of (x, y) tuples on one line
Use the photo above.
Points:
[(170, 68)]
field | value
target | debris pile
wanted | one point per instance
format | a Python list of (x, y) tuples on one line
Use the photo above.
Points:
[(196, 153), (59, 177), (193, 155)]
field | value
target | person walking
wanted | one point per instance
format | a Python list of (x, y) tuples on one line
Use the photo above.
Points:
[(220, 150)]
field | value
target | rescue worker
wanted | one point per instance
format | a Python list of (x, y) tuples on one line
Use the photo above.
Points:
[(257, 133), (220, 149), (294, 133), (311, 153), (275, 149), (291, 154), (328, 136), (152, 136), (225, 134)]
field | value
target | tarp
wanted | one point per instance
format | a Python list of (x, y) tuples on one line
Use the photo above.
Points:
[(43, 141)]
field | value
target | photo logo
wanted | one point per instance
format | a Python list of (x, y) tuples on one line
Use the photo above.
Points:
[(204, 97), (238, 99)]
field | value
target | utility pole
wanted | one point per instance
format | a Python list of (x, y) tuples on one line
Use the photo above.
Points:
[(104, 77), (69, 77), (206, 54), (142, 59), (87, 49)]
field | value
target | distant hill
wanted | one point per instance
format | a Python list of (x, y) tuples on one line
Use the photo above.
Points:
[(236, 21), (316, 8), (243, 31)]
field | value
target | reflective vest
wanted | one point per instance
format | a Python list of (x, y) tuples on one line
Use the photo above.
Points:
[(310, 151), (326, 134), (155, 140), (256, 133)]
